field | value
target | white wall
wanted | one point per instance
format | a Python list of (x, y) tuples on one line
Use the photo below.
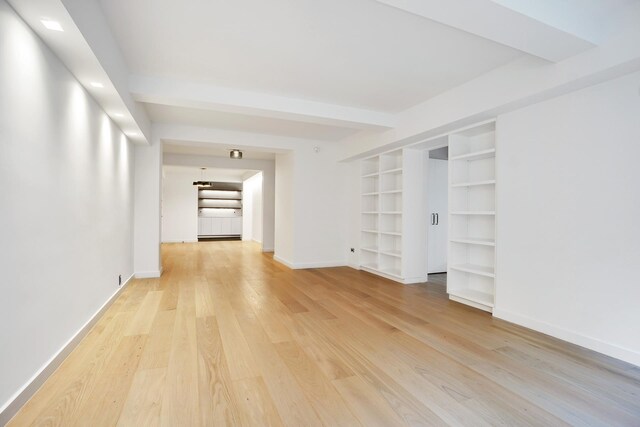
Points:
[(179, 205), (252, 208), (320, 233), (284, 205), (311, 208), (353, 206), (147, 226), (66, 206), (568, 230)]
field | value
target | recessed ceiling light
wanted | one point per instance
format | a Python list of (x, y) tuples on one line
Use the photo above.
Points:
[(97, 84), (51, 25), (118, 115), (235, 154)]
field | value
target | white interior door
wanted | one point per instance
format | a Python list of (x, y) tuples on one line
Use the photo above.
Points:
[(438, 216)]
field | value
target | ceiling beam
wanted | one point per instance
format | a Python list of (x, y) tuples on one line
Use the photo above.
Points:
[(89, 51), (501, 24), (192, 95)]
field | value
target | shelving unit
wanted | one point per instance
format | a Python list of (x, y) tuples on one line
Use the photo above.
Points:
[(385, 191), (381, 190), (220, 210), (471, 272)]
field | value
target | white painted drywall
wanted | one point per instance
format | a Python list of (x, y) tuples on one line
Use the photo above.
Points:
[(179, 205), (147, 230), (354, 198), (320, 207), (568, 210), (252, 208), (284, 205), (66, 205)]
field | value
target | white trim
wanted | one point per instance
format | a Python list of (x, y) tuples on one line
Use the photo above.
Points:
[(181, 241), (305, 265), (148, 274), (591, 343), (257, 241), (270, 249), (22, 396), (283, 261), (404, 281), (471, 303), (327, 264)]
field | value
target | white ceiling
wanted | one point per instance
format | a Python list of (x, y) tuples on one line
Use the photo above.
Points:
[(358, 53), (246, 123), (206, 149), (307, 69)]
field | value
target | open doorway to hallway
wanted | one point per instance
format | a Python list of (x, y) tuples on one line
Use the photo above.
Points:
[(207, 194), (437, 200), (209, 203)]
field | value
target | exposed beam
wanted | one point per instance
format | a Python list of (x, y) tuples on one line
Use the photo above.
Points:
[(90, 52), (203, 136), (191, 95), (499, 23)]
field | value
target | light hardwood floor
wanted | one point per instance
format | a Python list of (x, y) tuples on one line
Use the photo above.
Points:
[(227, 336)]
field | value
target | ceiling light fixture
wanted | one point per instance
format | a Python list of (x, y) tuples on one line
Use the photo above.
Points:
[(118, 115), (97, 84), (202, 183), (51, 25), (235, 154)]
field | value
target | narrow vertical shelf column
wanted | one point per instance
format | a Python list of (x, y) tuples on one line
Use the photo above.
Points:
[(471, 273), (370, 208), (389, 189)]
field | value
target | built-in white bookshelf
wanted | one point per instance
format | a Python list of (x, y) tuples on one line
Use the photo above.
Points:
[(472, 211), (381, 193), (385, 244)]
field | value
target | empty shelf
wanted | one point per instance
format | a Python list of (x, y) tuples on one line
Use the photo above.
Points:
[(394, 253), (474, 296), (474, 269), (474, 183), (477, 155), (474, 241)]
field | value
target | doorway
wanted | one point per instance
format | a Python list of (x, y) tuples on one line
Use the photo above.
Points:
[(437, 202)]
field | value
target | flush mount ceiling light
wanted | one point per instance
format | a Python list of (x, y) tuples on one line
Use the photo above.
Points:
[(51, 25), (235, 154), (97, 84)]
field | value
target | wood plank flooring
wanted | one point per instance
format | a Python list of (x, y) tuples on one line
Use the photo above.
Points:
[(228, 336)]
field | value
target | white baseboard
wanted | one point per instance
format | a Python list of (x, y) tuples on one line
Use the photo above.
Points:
[(594, 344), (257, 241), (267, 249), (283, 261), (181, 241), (305, 265), (148, 274), (322, 264), (22, 396)]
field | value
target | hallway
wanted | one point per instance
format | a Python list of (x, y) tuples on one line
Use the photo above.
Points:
[(227, 336)]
